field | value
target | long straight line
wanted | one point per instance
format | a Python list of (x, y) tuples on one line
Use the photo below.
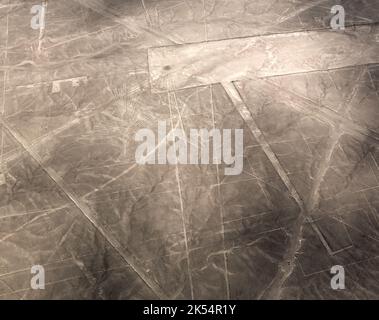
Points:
[(226, 273), (183, 217), (287, 265), (2, 110), (128, 257)]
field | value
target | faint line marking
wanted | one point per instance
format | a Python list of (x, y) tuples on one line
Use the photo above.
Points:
[(181, 199), (226, 272), (87, 212), (285, 269)]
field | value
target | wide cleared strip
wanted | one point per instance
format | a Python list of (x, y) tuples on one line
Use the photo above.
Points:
[(184, 66)]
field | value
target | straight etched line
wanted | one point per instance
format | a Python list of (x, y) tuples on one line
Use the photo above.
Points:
[(287, 265), (324, 113), (246, 115), (42, 27), (87, 212), (129, 23), (2, 110), (181, 202), (226, 272)]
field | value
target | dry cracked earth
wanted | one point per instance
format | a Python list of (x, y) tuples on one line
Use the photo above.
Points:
[(74, 92)]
